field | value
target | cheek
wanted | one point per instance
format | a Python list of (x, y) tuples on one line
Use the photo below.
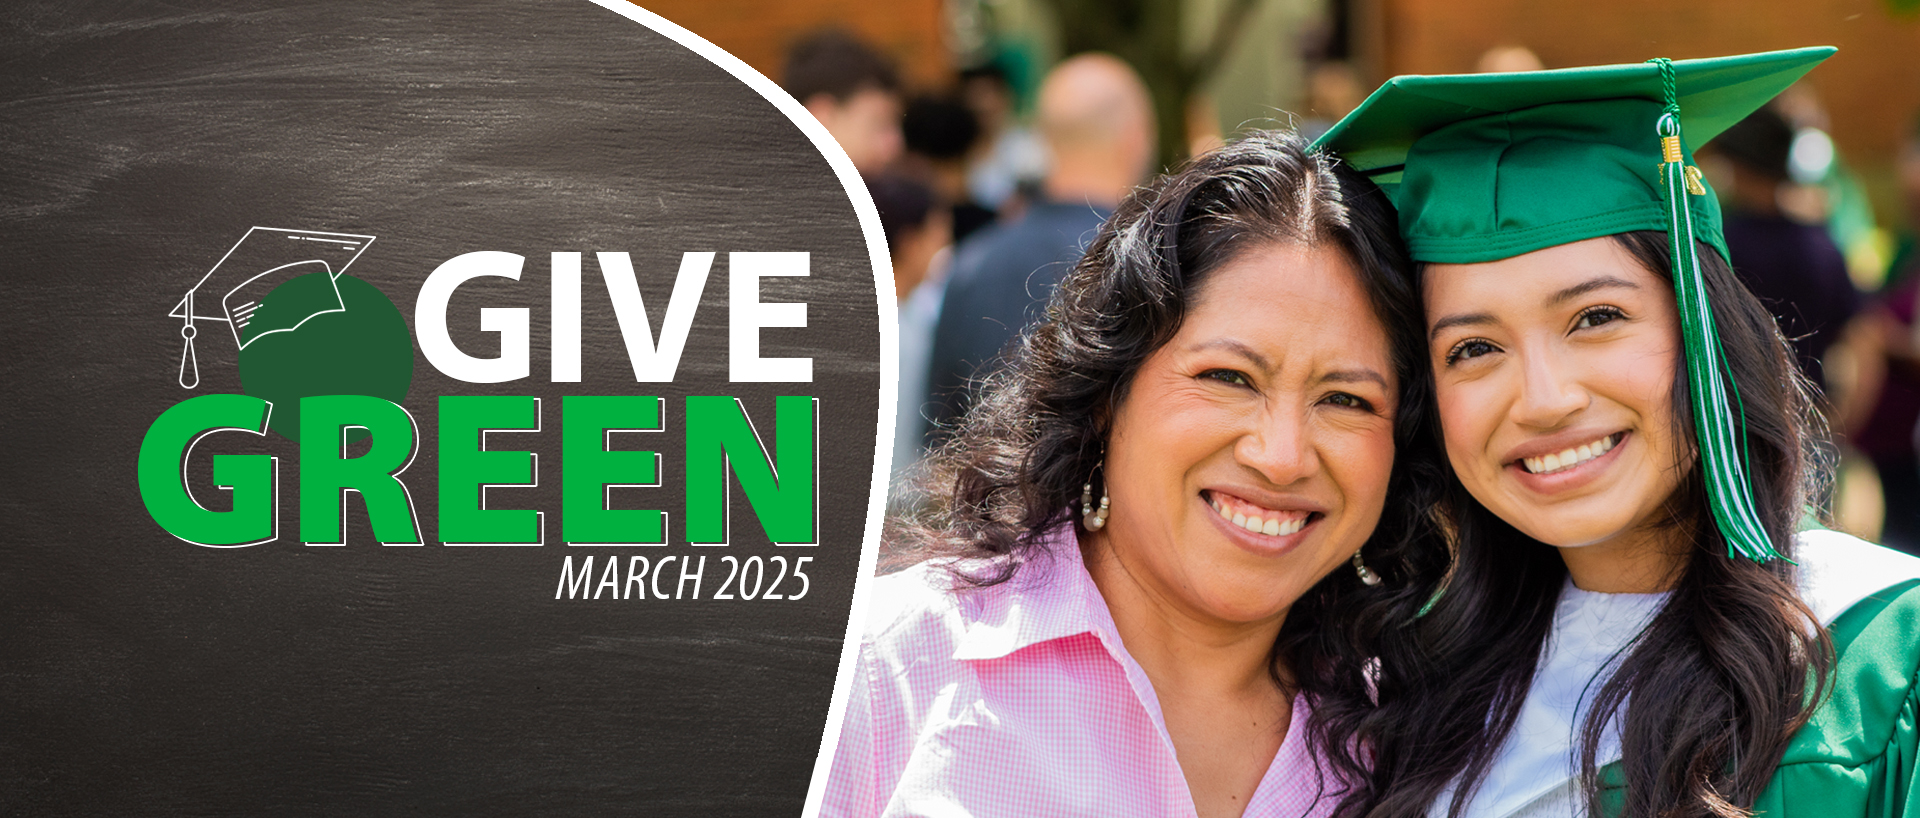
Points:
[(1649, 378), (1161, 430), (1360, 463), (1467, 421), (1643, 382)]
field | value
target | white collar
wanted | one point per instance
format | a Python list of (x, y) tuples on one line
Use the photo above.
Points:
[(1838, 570)]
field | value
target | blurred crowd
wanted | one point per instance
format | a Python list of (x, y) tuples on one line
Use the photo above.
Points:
[(987, 195)]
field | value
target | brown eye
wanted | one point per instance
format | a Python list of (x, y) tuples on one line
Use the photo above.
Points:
[(1470, 348), (1227, 376), (1597, 316), (1350, 401)]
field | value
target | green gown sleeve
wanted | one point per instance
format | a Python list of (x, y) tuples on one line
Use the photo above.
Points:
[(1856, 756)]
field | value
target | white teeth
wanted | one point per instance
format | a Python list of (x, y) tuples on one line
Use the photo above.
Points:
[(1561, 461), (1270, 526)]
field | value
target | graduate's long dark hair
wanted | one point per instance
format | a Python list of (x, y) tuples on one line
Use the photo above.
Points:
[(1712, 690)]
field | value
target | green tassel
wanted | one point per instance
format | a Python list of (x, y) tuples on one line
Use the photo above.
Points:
[(1718, 420)]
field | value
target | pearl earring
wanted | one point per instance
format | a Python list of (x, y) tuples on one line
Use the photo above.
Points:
[(1094, 517), (1367, 575)]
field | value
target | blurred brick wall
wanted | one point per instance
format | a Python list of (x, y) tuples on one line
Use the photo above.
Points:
[(759, 31), (1871, 88)]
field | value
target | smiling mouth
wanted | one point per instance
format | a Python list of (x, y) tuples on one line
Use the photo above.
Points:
[(1571, 457), (1258, 519)]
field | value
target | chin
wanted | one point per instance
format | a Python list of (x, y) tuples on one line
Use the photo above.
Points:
[(1236, 607), (1571, 534)]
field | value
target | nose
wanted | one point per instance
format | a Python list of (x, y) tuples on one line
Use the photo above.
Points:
[(1549, 393), (1279, 445)]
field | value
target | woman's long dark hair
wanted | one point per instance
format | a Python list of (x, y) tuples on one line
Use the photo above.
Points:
[(1016, 466), (1714, 687)]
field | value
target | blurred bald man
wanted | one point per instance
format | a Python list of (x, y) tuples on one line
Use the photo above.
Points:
[(1096, 119)]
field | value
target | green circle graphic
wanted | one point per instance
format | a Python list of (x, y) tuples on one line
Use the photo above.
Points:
[(363, 349)]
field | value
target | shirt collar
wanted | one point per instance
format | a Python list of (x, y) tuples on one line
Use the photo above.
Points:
[(1051, 597), (1837, 571)]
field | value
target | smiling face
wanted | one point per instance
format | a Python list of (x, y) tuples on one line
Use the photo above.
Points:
[(1554, 372), (1251, 455)]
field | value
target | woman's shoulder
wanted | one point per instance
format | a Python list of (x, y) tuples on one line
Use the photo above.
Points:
[(1839, 571), (915, 600), (1869, 599), (932, 614)]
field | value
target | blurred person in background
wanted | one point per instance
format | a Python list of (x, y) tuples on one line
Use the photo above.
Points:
[(853, 90), (1333, 90), (1506, 59), (941, 131), (1098, 123), (1826, 190), (917, 224), (1794, 268), (1888, 376), (1008, 154)]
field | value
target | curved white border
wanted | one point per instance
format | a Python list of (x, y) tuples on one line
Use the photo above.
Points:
[(889, 350)]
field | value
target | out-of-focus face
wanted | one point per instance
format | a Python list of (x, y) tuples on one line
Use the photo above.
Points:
[(1554, 374), (1250, 457), (866, 124)]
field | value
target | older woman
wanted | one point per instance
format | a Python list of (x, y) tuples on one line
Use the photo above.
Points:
[(1143, 521)]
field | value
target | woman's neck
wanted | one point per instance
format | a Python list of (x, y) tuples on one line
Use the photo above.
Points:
[(1181, 652), (1643, 560)]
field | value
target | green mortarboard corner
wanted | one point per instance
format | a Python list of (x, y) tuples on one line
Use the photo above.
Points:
[(1484, 167)]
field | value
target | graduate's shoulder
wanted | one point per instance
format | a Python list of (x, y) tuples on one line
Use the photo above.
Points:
[(1868, 597), (1838, 571)]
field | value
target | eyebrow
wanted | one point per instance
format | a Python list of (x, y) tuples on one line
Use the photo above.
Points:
[(1358, 375), (1235, 346), (1475, 319), (1597, 283), (1471, 319)]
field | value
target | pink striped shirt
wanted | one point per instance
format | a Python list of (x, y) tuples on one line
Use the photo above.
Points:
[(1020, 700)]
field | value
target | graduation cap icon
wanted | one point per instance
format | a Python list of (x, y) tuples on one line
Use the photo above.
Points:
[(238, 285)]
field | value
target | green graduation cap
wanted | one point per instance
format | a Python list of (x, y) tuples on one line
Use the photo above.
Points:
[(1484, 167)]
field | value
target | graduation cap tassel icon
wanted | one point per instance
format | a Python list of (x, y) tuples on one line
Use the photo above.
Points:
[(188, 363), (260, 262)]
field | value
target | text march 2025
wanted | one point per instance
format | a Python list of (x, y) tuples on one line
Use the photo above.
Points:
[(720, 437)]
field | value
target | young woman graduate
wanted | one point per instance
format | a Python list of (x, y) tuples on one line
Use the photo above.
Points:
[(1628, 623)]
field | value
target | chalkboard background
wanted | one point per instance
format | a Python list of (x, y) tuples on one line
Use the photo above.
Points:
[(140, 674)]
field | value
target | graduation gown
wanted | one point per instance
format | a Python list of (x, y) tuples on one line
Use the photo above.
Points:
[(1856, 755)]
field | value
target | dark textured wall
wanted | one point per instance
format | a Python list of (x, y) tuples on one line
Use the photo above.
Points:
[(143, 675)]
